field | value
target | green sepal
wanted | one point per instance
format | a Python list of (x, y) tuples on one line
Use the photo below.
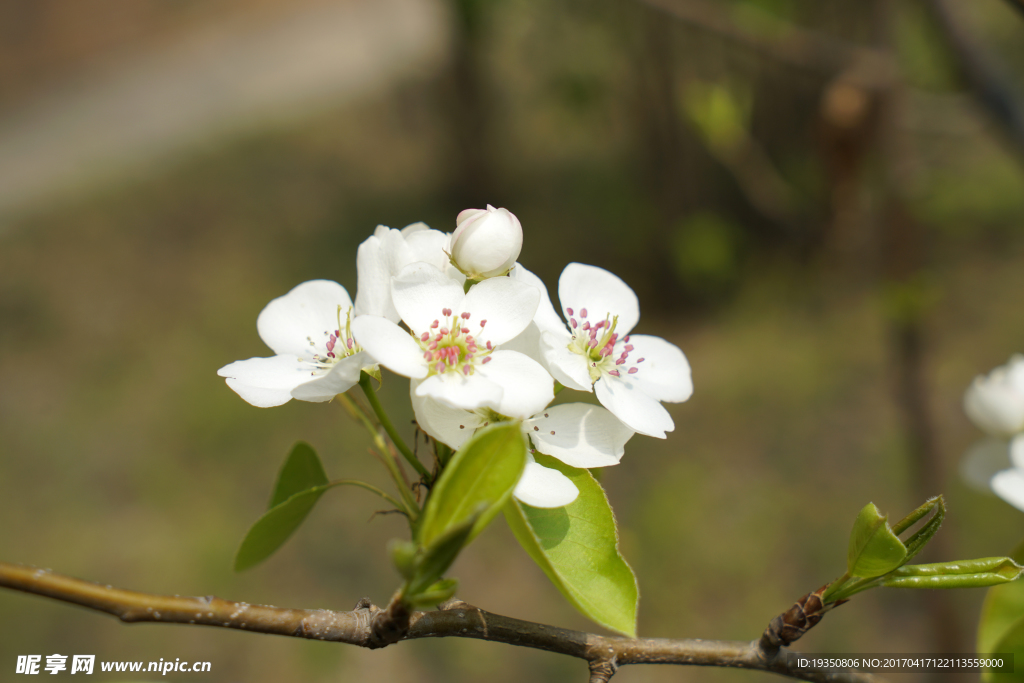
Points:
[(874, 548), (484, 471)]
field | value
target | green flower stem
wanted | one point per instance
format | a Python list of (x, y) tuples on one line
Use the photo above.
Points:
[(369, 487), (385, 421), (410, 507)]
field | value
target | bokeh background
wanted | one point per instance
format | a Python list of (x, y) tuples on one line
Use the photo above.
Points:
[(822, 204)]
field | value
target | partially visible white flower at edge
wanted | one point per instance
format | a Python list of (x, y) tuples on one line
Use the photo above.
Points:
[(454, 340), (579, 434), (631, 374), (995, 404), (309, 329), (486, 242)]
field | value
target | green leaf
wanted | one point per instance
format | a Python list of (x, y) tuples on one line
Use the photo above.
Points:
[(279, 522), (577, 547), (485, 470), (1001, 628), (981, 573), (874, 548), (920, 538), (301, 470)]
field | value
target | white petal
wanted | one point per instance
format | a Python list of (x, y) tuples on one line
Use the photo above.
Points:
[(528, 343), (1017, 451), (994, 405), (600, 293), (635, 408), (266, 382), (451, 426), (507, 305), (1009, 485), (983, 460), (375, 260), (546, 318), (569, 368), (543, 487), (429, 246), (421, 292), (664, 373), (342, 376), (413, 228), (308, 311), (526, 386), (461, 391), (579, 434), (390, 345)]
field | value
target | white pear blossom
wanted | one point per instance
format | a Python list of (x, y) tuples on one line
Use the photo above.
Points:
[(455, 337), (384, 254), (995, 402), (631, 374), (486, 242), (1008, 484), (579, 434), (309, 329)]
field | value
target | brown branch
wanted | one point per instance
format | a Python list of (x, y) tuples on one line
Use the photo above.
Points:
[(371, 627)]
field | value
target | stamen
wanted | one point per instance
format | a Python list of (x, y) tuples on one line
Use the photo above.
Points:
[(632, 371), (613, 373), (465, 316), (569, 311), (640, 360), (425, 336), (583, 313), (487, 360), (434, 325)]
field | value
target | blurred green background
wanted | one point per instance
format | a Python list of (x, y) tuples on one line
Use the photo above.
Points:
[(805, 196)]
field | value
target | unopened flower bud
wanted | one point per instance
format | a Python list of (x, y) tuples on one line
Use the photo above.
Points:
[(995, 402), (486, 242)]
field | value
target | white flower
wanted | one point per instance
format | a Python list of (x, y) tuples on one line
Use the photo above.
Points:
[(384, 254), (455, 337), (486, 242), (579, 434), (1008, 484), (630, 373), (317, 358), (995, 402)]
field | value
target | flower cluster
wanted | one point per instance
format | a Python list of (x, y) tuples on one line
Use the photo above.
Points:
[(478, 337), (995, 404)]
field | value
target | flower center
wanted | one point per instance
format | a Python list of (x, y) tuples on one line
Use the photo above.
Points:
[(601, 347), (450, 345), (336, 345)]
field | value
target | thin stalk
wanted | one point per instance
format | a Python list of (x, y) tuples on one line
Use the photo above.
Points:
[(369, 487), (385, 421), (410, 507)]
